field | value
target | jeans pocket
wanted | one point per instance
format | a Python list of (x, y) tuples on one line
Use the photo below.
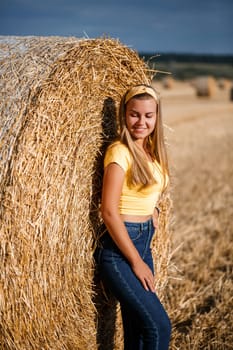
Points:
[(134, 232)]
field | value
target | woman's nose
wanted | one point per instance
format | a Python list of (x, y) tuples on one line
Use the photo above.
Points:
[(141, 119)]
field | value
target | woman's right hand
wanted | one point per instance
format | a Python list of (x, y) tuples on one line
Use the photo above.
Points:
[(144, 274)]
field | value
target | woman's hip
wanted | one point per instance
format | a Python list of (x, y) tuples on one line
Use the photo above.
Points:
[(140, 233)]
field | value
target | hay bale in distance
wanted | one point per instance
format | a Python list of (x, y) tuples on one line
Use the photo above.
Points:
[(58, 102), (231, 94), (205, 86), (224, 84), (168, 82)]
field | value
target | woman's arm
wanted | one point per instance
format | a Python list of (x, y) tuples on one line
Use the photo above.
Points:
[(111, 192), (155, 217)]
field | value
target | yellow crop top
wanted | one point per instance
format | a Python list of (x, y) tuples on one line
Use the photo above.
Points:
[(132, 200)]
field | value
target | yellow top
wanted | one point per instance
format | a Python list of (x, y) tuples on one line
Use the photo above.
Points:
[(134, 201)]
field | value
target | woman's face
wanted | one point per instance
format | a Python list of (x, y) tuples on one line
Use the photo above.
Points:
[(141, 117)]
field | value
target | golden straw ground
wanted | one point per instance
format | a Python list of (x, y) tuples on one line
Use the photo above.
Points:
[(58, 113)]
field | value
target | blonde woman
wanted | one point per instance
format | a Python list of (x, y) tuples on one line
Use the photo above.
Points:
[(135, 175)]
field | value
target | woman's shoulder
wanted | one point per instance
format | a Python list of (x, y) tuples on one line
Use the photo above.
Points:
[(119, 153), (118, 147)]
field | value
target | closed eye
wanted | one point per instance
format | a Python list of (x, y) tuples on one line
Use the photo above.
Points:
[(135, 115)]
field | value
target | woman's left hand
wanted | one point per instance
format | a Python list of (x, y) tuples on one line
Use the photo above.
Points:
[(155, 218)]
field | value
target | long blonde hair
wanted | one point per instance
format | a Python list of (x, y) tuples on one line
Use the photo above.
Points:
[(140, 171)]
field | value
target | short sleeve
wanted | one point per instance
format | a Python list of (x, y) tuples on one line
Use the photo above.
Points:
[(117, 153)]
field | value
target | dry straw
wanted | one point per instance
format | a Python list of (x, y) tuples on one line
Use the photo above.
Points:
[(58, 108)]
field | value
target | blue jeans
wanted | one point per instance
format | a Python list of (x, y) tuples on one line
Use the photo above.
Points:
[(145, 322)]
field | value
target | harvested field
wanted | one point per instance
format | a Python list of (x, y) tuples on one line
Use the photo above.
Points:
[(200, 292), (48, 223)]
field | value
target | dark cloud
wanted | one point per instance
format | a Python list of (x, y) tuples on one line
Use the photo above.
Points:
[(149, 25)]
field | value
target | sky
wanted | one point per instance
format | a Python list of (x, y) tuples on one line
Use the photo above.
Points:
[(155, 26)]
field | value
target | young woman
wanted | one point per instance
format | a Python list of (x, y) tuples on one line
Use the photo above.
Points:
[(135, 175)]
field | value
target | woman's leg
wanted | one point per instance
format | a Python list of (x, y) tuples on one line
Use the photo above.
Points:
[(132, 332), (143, 306), (139, 305)]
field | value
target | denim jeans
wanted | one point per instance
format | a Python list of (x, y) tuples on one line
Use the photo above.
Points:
[(145, 322)]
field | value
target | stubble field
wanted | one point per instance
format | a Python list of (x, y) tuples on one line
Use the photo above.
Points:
[(199, 296)]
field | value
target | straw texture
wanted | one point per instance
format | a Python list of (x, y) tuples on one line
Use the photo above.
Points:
[(58, 113)]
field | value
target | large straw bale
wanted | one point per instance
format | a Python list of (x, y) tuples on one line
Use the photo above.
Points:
[(58, 112)]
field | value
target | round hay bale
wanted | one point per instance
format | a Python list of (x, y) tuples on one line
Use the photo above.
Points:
[(168, 82), (231, 94), (58, 113), (224, 84), (205, 86)]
